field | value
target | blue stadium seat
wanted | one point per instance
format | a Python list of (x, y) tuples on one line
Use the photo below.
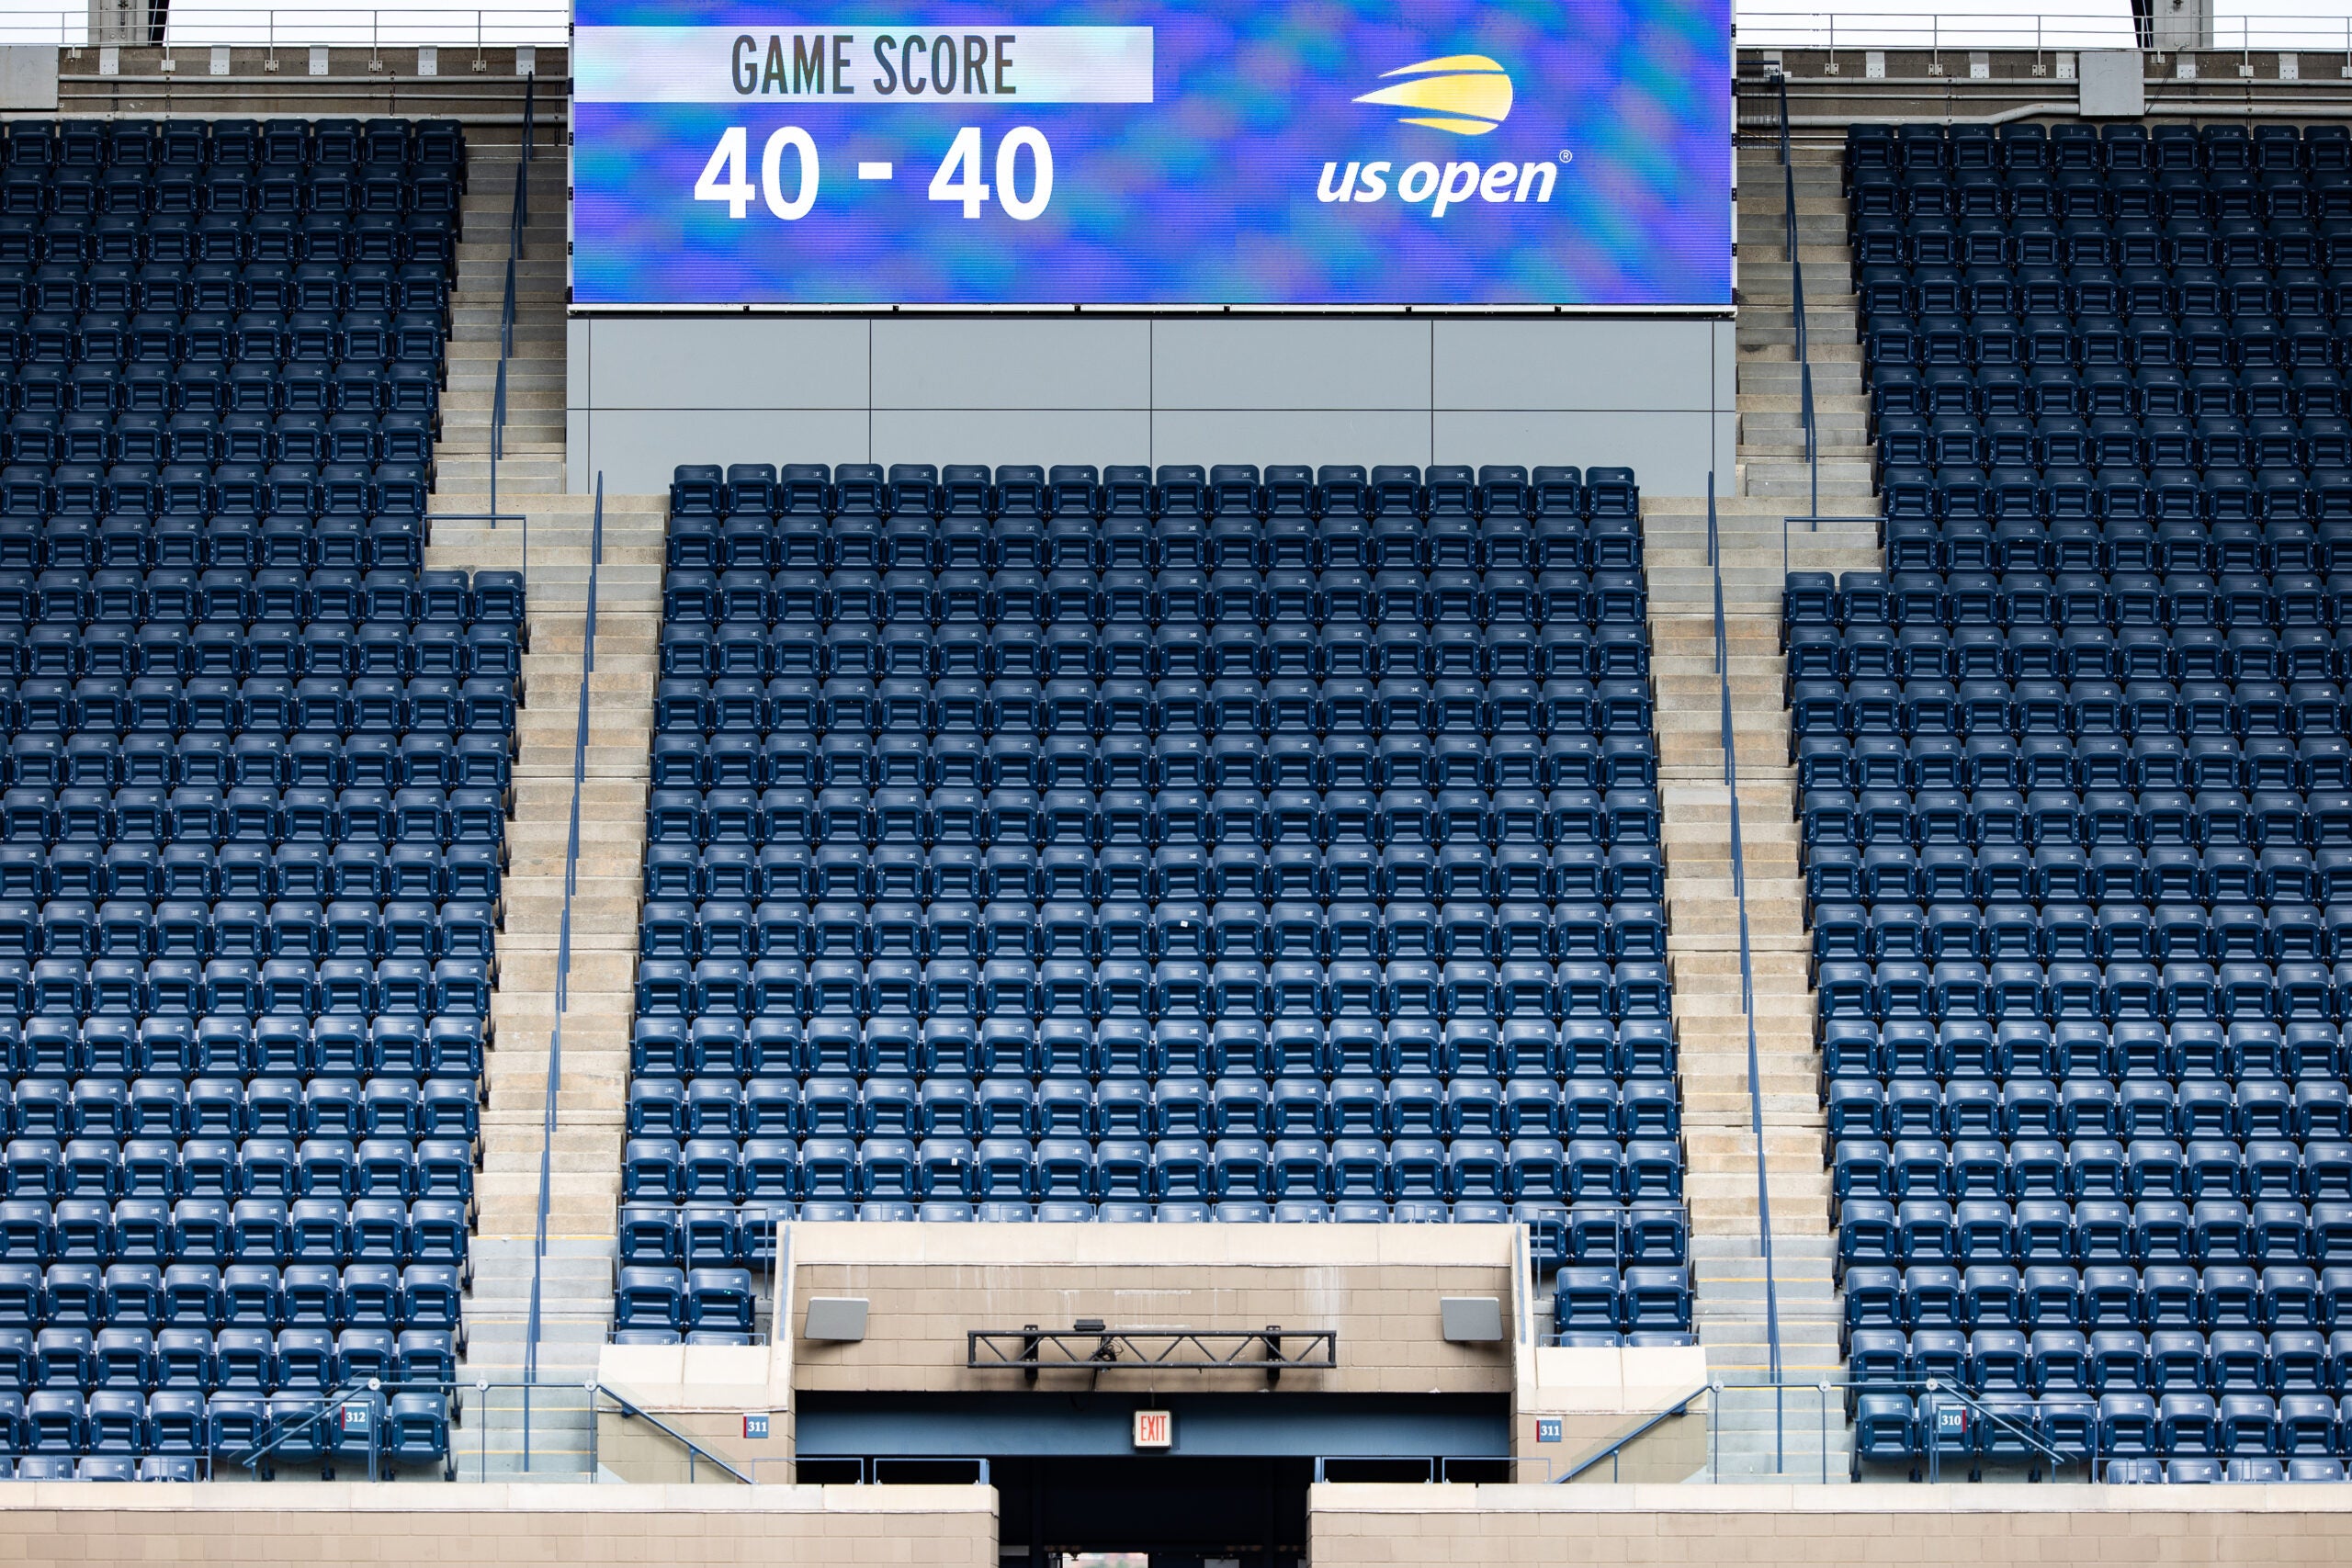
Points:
[(1030, 926), (2055, 937)]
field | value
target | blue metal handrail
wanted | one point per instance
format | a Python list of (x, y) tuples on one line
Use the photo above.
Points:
[(1826, 1389), (1747, 961), (630, 1412), (518, 220), (1937, 1389), (1610, 1450), (549, 1115), (1806, 417), (1796, 294), (278, 1432)]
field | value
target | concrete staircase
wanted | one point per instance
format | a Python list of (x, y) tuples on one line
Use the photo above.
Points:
[(547, 536), (1757, 1434)]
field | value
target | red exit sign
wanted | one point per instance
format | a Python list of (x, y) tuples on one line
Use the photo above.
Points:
[(1155, 1428)]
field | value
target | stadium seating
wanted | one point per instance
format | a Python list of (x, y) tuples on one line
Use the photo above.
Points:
[(253, 800), (1188, 845), (2076, 786)]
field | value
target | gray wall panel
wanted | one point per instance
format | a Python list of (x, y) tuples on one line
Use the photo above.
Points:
[(577, 475), (1296, 435), (1044, 437), (952, 362), (29, 77), (722, 361), (1290, 364), (1574, 365), (647, 393)]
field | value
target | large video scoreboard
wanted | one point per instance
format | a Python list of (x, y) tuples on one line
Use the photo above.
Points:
[(1154, 153)]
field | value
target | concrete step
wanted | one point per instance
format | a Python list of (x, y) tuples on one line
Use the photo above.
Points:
[(1708, 951), (579, 1195)]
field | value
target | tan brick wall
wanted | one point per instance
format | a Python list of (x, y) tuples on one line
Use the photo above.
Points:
[(929, 1286), (1674, 1449), (436, 1527), (637, 1451), (1827, 1527), (1599, 1395)]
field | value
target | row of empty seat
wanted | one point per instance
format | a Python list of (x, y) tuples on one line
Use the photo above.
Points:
[(197, 444), (176, 291), (252, 820), (1218, 844), (857, 490), (171, 1435), (2120, 147), (2072, 777)]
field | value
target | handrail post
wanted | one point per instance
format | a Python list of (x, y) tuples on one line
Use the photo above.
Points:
[(1823, 1389)]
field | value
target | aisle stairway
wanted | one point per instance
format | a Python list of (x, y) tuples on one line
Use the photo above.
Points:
[(575, 1283), (1755, 1438)]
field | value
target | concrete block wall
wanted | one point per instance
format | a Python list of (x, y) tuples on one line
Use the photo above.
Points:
[(1941, 1527), (930, 1285), (646, 393), (1594, 1396), (404, 1527), (631, 1448)]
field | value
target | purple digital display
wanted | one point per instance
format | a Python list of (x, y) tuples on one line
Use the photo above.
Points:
[(1502, 154)]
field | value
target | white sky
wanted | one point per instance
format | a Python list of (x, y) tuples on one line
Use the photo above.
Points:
[(2308, 24)]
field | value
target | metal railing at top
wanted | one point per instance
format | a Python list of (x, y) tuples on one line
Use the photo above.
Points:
[(518, 220), (882, 1470), (193, 24), (1436, 1470), (1816, 1409), (2014, 25), (328, 1431), (533, 1412)]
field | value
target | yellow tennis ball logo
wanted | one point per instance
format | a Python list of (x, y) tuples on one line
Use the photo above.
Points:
[(1466, 93)]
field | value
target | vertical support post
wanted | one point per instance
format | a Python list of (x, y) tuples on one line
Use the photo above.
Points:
[(1823, 1390), (1715, 1432)]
